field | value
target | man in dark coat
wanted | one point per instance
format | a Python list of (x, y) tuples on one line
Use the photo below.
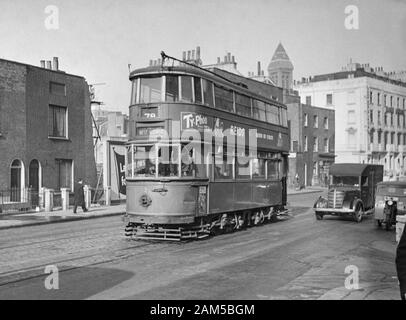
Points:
[(79, 196), (401, 264)]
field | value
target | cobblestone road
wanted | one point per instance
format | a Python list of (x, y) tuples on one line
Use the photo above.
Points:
[(297, 258)]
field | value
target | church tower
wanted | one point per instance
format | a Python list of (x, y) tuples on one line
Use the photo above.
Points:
[(280, 69)]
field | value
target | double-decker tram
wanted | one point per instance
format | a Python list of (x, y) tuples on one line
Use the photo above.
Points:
[(205, 154)]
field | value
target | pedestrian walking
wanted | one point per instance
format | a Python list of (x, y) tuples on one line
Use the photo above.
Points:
[(401, 265), (79, 196)]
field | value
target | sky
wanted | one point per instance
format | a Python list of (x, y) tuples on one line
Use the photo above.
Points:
[(97, 39)]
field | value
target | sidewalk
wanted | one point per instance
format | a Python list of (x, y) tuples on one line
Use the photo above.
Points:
[(37, 218), (306, 190)]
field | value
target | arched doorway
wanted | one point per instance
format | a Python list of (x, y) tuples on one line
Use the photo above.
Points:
[(16, 180), (34, 180)]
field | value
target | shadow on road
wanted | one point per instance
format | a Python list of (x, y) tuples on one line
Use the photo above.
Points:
[(73, 284)]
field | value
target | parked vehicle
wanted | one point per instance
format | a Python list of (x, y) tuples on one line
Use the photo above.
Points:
[(390, 201), (351, 191)]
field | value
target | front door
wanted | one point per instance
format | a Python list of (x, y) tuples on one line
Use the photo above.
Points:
[(33, 182)]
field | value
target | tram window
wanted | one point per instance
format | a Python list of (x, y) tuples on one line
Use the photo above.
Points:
[(186, 85), (243, 168), (188, 167), (198, 90), (258, 168), (273, 169), (272, 114), (144, 162), (172, 88), (259, 110), (134, 92), (242, 105), (150, 90), (224, 98), (168, 161), (208, 92), (222, 169)]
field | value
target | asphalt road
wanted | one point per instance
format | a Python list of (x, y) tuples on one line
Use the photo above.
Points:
[(295, 258)]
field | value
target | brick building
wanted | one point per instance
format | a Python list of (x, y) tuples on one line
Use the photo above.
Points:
[(45, 127)]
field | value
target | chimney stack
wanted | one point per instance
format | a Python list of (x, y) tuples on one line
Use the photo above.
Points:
[(198, 53), (233, 59), (184, 56), (49, 65), (218, 60), (188, 55), (193, 54), (259, 68), (56, 64), (229, 57), (42, 64)]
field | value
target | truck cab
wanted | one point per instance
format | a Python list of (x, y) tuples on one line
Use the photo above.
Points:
[(351, 191)]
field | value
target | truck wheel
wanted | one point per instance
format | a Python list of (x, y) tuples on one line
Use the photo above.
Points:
[(358, 214), (319, 216)]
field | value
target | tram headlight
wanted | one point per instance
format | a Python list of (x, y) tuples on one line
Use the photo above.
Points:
[(390, 202)]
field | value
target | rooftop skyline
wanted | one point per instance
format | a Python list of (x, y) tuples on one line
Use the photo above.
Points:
[(98, 39)]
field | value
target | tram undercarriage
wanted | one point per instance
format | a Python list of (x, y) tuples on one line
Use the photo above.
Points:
[(204, 227)]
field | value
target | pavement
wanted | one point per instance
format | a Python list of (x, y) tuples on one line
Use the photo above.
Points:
[(45, 217), (16, 220)]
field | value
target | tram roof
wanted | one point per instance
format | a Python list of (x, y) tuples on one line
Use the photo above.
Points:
[(207, 74)]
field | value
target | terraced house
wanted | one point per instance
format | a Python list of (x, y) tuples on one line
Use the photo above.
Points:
[(45, 129)]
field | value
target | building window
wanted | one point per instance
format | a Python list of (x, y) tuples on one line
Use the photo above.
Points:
[(325, 123), (57, 88), (399, 142), (326, 145), (65, 173), (384, 100), (391, 119), (350, 97), (379, 137), (379, 98), (370, 97), (398, 102), (306, 120), (315, 121), (305, 144), (371, 116), (404, 139), (351, 116), (391, 101), (379, 118), (329, 99), (57, 122), (385, 119), (316, 144), (371, 135), (309, 100), (392, 138)]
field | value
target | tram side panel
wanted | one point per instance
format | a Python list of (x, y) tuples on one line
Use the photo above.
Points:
[(161, 203)]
